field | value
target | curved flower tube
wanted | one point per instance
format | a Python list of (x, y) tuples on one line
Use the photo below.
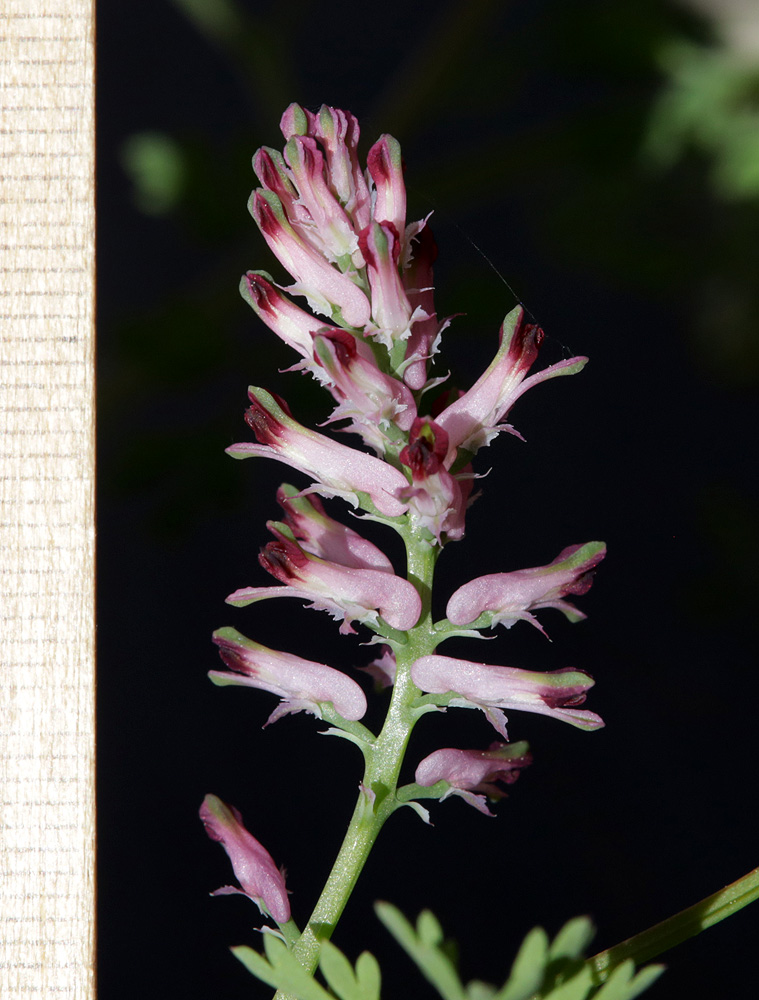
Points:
[(468, 772), (323, 536), (490, 688), (372, 400), (303, 685), (291, 324), (326, 289), (477, 417), (347, 592), (256, 872), (337, 469), (508, 597)]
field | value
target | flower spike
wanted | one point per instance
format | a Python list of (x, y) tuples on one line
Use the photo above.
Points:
[(259, 877)]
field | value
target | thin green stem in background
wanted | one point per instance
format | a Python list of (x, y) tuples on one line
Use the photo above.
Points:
[(686, 924)]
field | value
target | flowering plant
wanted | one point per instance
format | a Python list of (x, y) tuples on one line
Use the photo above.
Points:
[(370, 340)]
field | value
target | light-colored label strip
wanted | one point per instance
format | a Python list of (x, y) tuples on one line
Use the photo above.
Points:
[(46, 499)]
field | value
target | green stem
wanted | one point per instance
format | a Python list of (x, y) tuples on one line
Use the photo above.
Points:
[(686, 924), (384, 756)]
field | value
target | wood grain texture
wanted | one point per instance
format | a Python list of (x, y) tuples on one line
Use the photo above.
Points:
[(46, 499)]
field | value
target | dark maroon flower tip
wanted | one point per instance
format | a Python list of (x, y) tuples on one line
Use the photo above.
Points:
[(427, 448), (261, 292), (283, 559)]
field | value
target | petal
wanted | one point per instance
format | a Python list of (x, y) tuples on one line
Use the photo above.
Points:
[(475, 418)]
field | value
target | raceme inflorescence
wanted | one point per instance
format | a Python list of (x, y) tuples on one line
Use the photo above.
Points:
[(370, 338)]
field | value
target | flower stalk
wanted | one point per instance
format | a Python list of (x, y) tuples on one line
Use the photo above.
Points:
[(367, 276), (654, 941)]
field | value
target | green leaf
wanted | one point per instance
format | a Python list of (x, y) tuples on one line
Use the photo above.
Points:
[(617, 985), (645, 978), (576, 988), (622, 984), (429, 930), (338, 972), (477, 990), (397, 924), (425, 950), (529, 968), (572, 940), (256, 964), (368, 976), (282, 970)]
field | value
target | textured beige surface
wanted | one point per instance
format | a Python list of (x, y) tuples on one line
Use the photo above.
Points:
[(46, 499)]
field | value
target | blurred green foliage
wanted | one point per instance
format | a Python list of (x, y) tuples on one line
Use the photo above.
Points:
[(709, 104)]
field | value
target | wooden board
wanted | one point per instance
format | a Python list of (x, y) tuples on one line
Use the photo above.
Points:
[(46, 499)]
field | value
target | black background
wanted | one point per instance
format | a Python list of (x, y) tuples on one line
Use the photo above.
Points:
[(521, 127)]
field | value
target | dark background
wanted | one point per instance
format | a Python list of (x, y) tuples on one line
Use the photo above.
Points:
[(595, 158)]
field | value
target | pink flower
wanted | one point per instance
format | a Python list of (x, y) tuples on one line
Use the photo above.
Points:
[(474, 771), (392, 314), (323, 222), (303, 686), (386, 169), (291, 324), (509, 597), (256, 872), (477, 417), (373, 401), (328, 290), (272, 172), (490, 688), (338, 133), (337, 469), (435, 499), (348, 593), (326, 538), (382, 670)]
